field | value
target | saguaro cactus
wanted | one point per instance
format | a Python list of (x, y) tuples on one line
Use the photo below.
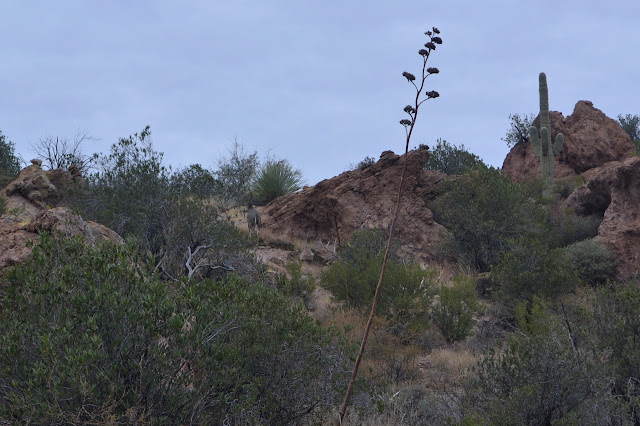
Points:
[(541, 142)]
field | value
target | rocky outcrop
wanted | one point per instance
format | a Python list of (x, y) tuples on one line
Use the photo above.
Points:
[(335, 208), (31, 200), (614, 190), (591, 139)]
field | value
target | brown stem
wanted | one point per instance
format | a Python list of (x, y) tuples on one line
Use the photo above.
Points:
[(374, 305)]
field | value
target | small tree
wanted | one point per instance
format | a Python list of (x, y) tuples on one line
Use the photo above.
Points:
[(631, 125), (235, 174), (62, 152), (9, 163), (451, 159), (518, 131)]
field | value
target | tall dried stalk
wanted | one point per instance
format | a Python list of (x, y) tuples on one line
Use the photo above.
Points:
[(408, 124)]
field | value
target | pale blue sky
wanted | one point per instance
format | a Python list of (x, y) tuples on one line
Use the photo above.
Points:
[(317, 83)]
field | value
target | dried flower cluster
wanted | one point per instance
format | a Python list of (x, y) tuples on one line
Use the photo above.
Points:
[(413, 110)]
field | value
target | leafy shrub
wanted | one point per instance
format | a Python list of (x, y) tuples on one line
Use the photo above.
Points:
[(537, 379), (631, 125), (616, 324), (451, 159), (518, 131), (366, 162), (89, 335), (296, 284), (136, 196), (456, 307), (275, 179), (9, 163), (405, 293), (570, 228), (532, 269), (486, 213), (196, 181), (593, 262), (564, 186)]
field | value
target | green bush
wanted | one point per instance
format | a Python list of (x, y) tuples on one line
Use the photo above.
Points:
[(570, 228), (9, 163), (616, 325), (366, 162), (274, 179), (518, 132), (533, 269), (593, 262), (486, 214), (537, 379), (406, 289), (89, 335), (196, 181), (296, 284), (136, 196), (3, 205), (451, 159), (456, 307)]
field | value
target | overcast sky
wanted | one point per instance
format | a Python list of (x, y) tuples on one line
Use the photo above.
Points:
[(317, 83)]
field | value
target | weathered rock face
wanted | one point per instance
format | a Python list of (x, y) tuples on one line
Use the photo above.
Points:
[(590, 140), (29, 199), (335, 208), (614, 189)]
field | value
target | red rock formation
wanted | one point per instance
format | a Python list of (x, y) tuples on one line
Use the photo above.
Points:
[(614, 189), (361, 199), (29, 201), (590, 140)]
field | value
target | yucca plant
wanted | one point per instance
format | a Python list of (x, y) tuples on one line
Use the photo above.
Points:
[(275, 179)]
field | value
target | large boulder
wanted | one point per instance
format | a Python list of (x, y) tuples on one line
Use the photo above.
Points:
[(591, 139), (335, 208), (613, 190), (31, 209)]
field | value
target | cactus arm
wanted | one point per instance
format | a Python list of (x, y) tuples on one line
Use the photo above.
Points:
[(545, 139), (557, 147), (535, 141)]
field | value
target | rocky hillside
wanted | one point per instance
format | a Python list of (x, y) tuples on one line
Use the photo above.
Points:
[(32, 207), (596, 148), (335, 208)]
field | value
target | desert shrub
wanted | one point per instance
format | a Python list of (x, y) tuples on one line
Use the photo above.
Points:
[(196, 181), (616, 325), (486, 213), (518, 131), (89, 335), (451, 159), (531, 269), (571, 228), (563, 187), (539, 378), (455, 309), (406, 289), (366, 162), (235, 174), (136, 196), (593, 262), (274, 179), (63, 152), (631, 125), (9, 163), (294, 283)]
